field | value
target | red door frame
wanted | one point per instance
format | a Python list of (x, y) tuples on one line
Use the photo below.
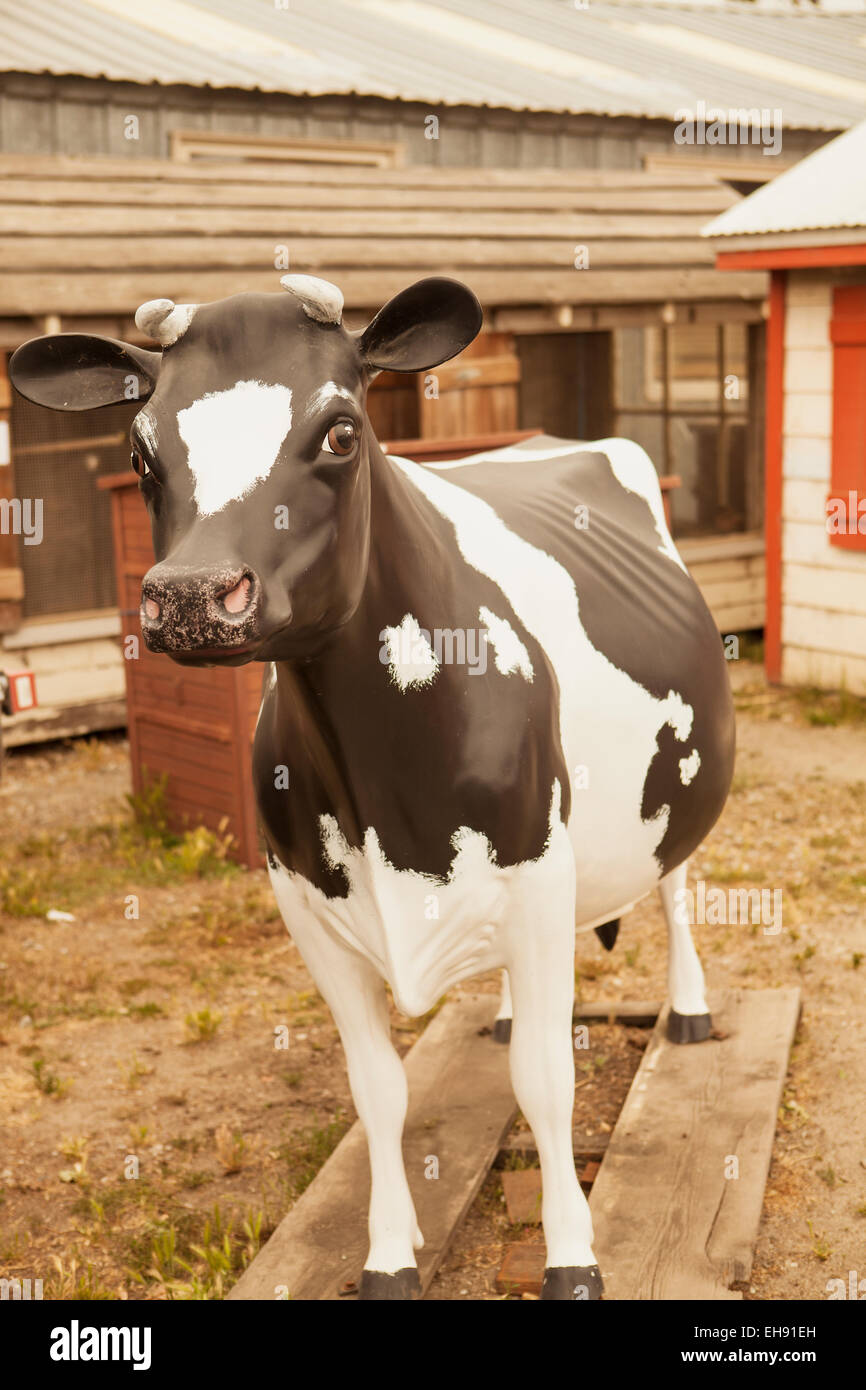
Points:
[(773, 449)]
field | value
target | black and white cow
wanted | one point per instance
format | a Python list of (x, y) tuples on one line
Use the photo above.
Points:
[(443, 815)]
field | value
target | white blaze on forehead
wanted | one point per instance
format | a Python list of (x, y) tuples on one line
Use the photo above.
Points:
[(233, 439), (508, 650), (330, 391), (410, 658)]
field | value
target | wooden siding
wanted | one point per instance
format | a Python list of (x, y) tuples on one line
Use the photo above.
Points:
[(87, 116), (729, 571), (823, 587), (91, 237)]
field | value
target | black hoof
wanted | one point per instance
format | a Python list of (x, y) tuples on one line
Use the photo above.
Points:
[(607, 934), (688, 1028), (502, 1030), (405, 1284), (572, 1283)]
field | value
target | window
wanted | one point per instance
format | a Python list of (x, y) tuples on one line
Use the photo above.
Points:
[(682, 391), (846, 505), (190, 145)]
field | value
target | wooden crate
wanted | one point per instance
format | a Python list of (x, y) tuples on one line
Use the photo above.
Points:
[(193, 726)]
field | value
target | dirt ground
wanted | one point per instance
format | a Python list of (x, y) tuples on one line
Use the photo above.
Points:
[(155, 1129)]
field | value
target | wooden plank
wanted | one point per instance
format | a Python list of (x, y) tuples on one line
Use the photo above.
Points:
[(68, 722), (33, 220), (522, 1269), (84, 253), (113, 291), (588, 1147), (460, 1107), (704, 548), (636, 1013), (145, 193), (11, 584), (522, 1191), (668, 1223), (100, 168)]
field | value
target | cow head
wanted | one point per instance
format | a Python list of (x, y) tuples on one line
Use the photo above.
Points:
[(252, 448)]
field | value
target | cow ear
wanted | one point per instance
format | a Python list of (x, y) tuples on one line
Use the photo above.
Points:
[(76, 371), (421, 327)]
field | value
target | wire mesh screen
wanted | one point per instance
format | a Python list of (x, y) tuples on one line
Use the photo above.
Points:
[(58, 457)]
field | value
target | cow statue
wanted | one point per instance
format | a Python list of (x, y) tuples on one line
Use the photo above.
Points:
[(500, 699)]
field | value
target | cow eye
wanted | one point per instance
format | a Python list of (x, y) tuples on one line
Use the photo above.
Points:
[(138, 464), (340, 438)]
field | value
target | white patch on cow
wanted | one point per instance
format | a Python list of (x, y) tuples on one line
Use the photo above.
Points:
[(608, 722), (689, 767), (679, 715), (411, 659), (386, 915), (508, 651), (634, 469), (329, 392), (631, 465), (233, 440)]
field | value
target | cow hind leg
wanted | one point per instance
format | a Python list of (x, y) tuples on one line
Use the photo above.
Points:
[(540, 957), (689, 1018)]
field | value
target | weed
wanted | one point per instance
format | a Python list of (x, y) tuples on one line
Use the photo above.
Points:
[(202, 1026)]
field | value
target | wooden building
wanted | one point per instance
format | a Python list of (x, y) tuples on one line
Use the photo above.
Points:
[(139, 160), (808, 231)]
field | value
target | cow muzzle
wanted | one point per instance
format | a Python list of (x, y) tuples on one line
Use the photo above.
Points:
[(200, 613)]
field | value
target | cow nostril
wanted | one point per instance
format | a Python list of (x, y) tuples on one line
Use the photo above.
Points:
[(238, 598), (152, 609)]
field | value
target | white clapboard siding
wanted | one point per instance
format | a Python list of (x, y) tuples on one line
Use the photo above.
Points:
[(807, 543), (809, 369), (807, 458), (823, 586), (817, 586), (808, 414), (817, 629), (825, 670), (806, 501)]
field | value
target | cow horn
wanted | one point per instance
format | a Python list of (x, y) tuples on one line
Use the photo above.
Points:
[(321, 300), (164, 320)]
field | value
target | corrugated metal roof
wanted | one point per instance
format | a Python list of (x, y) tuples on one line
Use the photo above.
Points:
[(542, 55), (826, 190)]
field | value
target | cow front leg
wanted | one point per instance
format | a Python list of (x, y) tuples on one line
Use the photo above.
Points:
[(540, 963), (356, 996), (689, 1018)]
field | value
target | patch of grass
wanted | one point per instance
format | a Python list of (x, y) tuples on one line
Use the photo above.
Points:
[(20, 894), (820, 1247), (202, 1026), (828, 1176), (47, 1081), (307, 1151), (823, 708), (133, 1073), (233, 1151), (149, 1010), (185, 1270), (74, 1281)]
